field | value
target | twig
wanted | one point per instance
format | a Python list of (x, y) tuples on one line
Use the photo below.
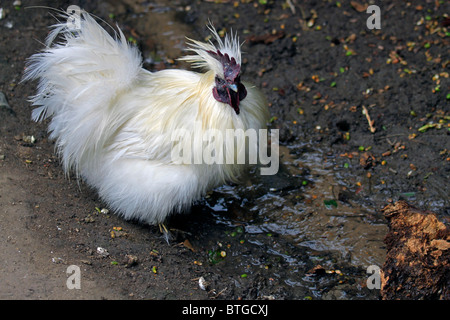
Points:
[(220, 292), (371, 122), (291, 6)]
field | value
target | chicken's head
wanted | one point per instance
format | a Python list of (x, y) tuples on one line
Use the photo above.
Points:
[(228, 89), (224, 59)]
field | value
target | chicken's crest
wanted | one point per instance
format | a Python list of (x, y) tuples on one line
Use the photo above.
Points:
[(231, 69), (224, 59)]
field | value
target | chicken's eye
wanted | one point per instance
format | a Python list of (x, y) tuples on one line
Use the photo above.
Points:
[(221, 85)]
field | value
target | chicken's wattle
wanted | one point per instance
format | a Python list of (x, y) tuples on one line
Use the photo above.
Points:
[(231, 94)]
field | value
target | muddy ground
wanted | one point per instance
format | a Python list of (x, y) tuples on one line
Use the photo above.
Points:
[(311, 231)]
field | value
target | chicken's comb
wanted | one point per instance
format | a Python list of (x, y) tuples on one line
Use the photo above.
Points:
[(231, 68)]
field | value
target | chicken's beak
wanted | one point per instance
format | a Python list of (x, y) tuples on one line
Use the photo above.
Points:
[(233, 87)]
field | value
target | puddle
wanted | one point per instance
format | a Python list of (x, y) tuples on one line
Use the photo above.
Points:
[(302, 204)]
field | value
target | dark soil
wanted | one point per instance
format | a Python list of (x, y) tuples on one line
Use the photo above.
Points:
[(319, 67)]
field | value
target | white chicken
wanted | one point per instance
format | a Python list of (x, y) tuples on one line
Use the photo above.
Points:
[(113, 120)]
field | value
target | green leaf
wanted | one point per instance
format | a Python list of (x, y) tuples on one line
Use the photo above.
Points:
[(408, 194), (215, 256), (427, 126), (330, 203)]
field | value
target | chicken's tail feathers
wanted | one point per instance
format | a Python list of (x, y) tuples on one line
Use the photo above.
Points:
[(82, 69), (87, 56)]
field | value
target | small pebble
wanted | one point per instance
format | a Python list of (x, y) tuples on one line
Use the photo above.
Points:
[(102, 251), (202, 283)]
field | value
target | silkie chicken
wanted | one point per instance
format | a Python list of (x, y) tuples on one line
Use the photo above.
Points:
[(112, 120)]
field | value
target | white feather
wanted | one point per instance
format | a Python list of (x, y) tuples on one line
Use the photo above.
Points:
[(113, 120)]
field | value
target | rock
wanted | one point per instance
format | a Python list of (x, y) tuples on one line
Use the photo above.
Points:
[(367, 160), (417, 264), (317, 270), (29, 139), (202, 283), (131, 260), (102, 252)]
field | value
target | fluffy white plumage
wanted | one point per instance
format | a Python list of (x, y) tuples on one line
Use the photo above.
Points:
[(112, 120)]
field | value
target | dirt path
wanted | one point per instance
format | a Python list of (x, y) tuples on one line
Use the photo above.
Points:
[(32, 267)]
